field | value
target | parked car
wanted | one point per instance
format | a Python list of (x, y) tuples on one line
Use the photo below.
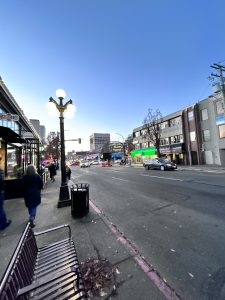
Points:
[(84, 164), (95, 162), (159, 164), (106, 164)]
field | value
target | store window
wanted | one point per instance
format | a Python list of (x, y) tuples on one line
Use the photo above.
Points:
[(221, 131), (192, 136), (206, 135), (204, 114), (13, 168)]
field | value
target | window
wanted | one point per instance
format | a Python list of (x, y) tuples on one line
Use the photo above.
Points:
[(174, 122), (192, 136), (167, 141), (204, 114), (175, 139), (219, 107), (144, 145), (222, 131), (164, 124), (206, 135), (144, 132), (191, 115), (137, 133)]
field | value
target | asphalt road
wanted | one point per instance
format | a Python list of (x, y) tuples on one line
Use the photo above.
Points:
[(176, 219)]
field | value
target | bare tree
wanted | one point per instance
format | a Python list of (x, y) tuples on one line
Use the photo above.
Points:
[(152, 128), (53, 149), (129, 144)]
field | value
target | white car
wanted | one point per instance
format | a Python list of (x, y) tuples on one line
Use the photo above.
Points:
[(84, 164)]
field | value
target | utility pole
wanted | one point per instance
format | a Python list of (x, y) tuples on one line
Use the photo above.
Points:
[(221, 69)]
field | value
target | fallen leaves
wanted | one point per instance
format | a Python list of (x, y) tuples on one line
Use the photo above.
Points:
[(97, 276)]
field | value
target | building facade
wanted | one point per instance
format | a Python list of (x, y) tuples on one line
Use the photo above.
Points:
[(192, 136), (179, 139), (19, 140), (98, 140), (212, 121)]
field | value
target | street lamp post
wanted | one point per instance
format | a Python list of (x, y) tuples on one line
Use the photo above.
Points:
[(64, 196)]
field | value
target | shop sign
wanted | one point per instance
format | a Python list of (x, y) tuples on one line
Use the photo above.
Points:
[(171, 149), (143, 152), (28, 135), (9, 117)]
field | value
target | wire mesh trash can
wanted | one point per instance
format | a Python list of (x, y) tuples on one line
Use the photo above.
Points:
[(79, 200)]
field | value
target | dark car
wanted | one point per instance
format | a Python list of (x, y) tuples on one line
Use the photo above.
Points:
[(160, 164)]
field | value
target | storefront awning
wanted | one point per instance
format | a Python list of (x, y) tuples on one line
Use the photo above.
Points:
[(10, 136)]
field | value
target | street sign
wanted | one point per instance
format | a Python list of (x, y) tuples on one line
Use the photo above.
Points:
[(9, 117)]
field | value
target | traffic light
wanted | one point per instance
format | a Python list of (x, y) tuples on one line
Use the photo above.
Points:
[(79, 140)]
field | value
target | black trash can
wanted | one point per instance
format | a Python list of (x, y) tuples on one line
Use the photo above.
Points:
[(79, 200)]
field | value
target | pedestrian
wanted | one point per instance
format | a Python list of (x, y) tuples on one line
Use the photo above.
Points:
[(3, 220), (68, 172), (52, 170), (32, 186)]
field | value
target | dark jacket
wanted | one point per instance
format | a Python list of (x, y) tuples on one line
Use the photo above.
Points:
[(68, 172), (52, 169), (32, 185)]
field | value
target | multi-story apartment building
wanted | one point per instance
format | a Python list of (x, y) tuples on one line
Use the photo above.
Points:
[(212, 121), (193, 135), (179, 140), (98, 140)]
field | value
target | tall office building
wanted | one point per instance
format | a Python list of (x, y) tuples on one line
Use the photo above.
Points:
[(43, 134), (39, 128), (98, 140), (36, 124)]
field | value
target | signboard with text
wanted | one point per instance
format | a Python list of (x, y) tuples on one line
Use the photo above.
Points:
[(9, 117)]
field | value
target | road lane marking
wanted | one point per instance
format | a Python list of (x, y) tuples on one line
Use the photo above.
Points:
[(119, 179), (160, 177)]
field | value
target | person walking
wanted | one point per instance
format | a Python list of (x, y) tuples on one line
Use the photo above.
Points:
[(68, 172), (32, 186), (52, 171), (4, 223)]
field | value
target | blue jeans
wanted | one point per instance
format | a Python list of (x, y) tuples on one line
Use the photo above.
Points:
[(3, 219), (32, 212)]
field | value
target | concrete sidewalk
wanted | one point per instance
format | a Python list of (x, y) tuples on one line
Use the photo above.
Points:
[(94, 238)]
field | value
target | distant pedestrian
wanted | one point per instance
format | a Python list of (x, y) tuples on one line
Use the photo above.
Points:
[(3, 220), (52, 171), (32, 186), (68, 172)]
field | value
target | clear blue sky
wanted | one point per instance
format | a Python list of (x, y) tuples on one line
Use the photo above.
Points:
[(114, 58)]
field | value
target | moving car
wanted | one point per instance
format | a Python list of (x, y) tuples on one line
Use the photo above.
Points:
[(84, 164), (159, 164)]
